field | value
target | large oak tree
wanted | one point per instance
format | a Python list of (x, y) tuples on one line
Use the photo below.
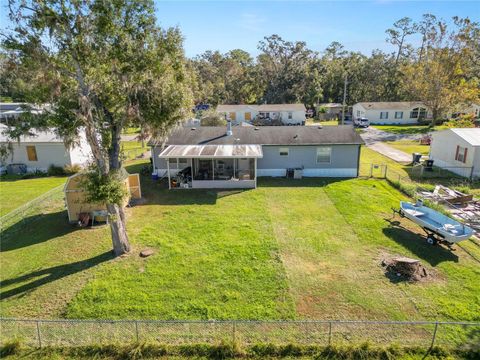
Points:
[(102, 66)]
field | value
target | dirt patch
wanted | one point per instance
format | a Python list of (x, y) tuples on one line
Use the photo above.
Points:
[(400, 268)]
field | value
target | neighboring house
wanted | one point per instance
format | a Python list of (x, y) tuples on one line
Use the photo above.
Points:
[(42, 149), (472, 109), (402, 112), (457, 150), (9, 112), (330, 111), (233, 157), (287, 114)]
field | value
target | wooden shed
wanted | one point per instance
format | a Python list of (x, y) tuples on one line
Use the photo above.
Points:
[(75, 196)]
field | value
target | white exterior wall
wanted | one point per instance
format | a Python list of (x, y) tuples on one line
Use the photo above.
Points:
[(443, 150), (47, 154), (81, 154), (298, 117), (374, 116)]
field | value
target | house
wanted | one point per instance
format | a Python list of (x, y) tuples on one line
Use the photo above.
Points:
[(42, 149), (286, 114), (9, 112), (468, 109), (457, 150), (233, 157), (329, 111), (400, 112)]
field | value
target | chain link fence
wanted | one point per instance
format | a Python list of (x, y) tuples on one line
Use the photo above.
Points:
[(46, 203), (40, 333)]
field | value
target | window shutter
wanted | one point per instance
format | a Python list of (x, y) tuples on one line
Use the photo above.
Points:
[(456, 153), (465, 156)]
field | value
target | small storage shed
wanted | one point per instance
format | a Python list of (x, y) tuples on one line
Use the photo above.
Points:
[(75, 196)]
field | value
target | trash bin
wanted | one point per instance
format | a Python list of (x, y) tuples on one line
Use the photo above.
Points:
[(154, 176), (429, 165), (416, 158)]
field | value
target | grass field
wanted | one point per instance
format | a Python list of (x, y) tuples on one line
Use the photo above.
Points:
[(409, 146), (15, 192), (288, 250), (408, 129)]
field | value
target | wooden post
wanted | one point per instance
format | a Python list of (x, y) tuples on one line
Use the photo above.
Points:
[(136, 329)]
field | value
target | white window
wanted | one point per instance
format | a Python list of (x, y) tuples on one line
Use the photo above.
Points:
[(283, 151), (290, 115), (398, 114), (358, 113), (461, 154), (414, 114), (324, 154), (383, 114)]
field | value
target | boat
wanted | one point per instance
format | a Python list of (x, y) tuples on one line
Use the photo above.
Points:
[(439, 227)]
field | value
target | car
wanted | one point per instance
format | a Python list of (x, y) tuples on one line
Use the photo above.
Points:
[(361, 122)]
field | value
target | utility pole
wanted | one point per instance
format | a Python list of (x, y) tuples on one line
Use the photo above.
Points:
[(344, 98)]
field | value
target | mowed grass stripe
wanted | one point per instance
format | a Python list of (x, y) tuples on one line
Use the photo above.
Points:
[(17, 192), (216, 258)]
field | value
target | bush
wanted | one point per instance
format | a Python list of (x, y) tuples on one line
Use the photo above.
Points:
[(55, 171), (72, 169)]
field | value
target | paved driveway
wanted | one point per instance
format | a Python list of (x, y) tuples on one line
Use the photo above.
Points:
[(375, 138)]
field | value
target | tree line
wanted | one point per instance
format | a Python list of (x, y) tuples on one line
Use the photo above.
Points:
[(441, 68)]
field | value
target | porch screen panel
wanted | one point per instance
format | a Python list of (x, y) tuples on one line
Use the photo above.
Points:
[(203, 169)]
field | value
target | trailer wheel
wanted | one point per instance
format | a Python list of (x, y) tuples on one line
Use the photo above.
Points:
[(431, 240), (401, 213)]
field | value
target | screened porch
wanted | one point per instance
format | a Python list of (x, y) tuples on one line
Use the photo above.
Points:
[(212, 166)]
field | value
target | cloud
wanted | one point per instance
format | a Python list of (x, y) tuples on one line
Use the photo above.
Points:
[(252, 22)]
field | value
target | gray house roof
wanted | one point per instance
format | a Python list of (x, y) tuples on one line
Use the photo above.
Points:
[(265, 135)]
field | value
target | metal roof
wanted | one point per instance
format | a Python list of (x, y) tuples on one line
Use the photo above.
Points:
[(263, 135), (212, 151), (35, 136), (470, 135)]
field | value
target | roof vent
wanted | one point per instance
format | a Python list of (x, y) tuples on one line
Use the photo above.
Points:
[(229, 128), (257, 128), (193, 128), (320, 126)]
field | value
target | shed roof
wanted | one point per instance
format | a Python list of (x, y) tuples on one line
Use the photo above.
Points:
[(263, 107), (264, 135), (212, 151), (470, 135), (400, 105)]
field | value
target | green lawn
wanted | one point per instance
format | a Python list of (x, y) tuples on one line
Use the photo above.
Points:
[(132, 149), (15, 192), (290, 249), (410, 146), (408, 129)]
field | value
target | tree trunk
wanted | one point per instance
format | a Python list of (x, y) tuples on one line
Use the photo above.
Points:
[(119, 232)]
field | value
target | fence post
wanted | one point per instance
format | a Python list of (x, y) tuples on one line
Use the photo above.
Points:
[(386, 171), (371, 169), (234, 331), (329, 333), (434, 335), (38, 334), (136, 329)]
